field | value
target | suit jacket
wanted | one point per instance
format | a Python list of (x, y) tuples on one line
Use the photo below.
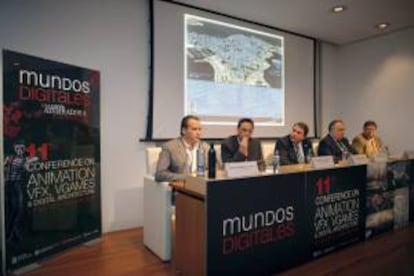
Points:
[(230, 151), (360, 144), (328, 146), (287, 151), (172, 160)]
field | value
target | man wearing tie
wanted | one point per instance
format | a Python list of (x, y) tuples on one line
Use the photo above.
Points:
[(335, 143), (295, 148), (178, 157), (368, 142), (242, 147)]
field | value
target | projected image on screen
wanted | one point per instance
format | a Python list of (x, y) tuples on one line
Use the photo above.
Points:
[(232, 72)]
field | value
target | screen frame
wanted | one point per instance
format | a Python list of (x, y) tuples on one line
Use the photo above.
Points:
[(149, 127)]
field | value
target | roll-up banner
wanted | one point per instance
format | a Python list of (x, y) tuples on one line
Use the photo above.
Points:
[(388, 196), (51, 157), (398, 180), (411, 191)]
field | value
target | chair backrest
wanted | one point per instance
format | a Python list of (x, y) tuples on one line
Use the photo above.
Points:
[(152, 154), (267, 150), (315, 145), (217, 148)]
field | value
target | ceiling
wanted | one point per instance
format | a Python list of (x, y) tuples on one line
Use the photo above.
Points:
[(314, 18)]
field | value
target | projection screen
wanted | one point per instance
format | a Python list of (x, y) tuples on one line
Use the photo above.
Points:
[(222, 69)]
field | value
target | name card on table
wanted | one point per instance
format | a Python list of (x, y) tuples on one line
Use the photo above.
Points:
[(381, 158), (241, 169), (358, 159), (322, 162)]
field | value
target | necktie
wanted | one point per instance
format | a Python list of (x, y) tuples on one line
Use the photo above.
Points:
[(341, 146), (299, 154), (374, 148)]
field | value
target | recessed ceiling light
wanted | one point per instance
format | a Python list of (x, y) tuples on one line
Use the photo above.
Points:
[(382, 26), (338, 9)]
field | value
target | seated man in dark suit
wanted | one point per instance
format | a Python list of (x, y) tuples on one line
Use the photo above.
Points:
[(178, 156), (295, 148), (242, 147), (335, 143)]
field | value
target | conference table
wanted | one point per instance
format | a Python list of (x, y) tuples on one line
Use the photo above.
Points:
[(266, 223)]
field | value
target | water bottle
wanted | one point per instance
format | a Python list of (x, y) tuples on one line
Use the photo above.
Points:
[(309, 156), (276, 161), (212, 162), (345, 155), (200, 161)]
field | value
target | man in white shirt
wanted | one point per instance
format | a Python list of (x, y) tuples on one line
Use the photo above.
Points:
[(178, 156)]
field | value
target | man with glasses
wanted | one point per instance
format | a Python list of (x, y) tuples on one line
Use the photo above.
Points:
[(242, 147), (295, 148), (368, 142), (335, 143)]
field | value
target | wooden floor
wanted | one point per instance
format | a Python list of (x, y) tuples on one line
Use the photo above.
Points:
[(123, 253), (387, 254), (118, 253)]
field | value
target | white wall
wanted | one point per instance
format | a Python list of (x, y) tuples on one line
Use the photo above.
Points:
[(328, 85), (112, 37), (375, 80)]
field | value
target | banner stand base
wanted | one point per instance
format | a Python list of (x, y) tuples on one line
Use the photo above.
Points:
[(25, 269)]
